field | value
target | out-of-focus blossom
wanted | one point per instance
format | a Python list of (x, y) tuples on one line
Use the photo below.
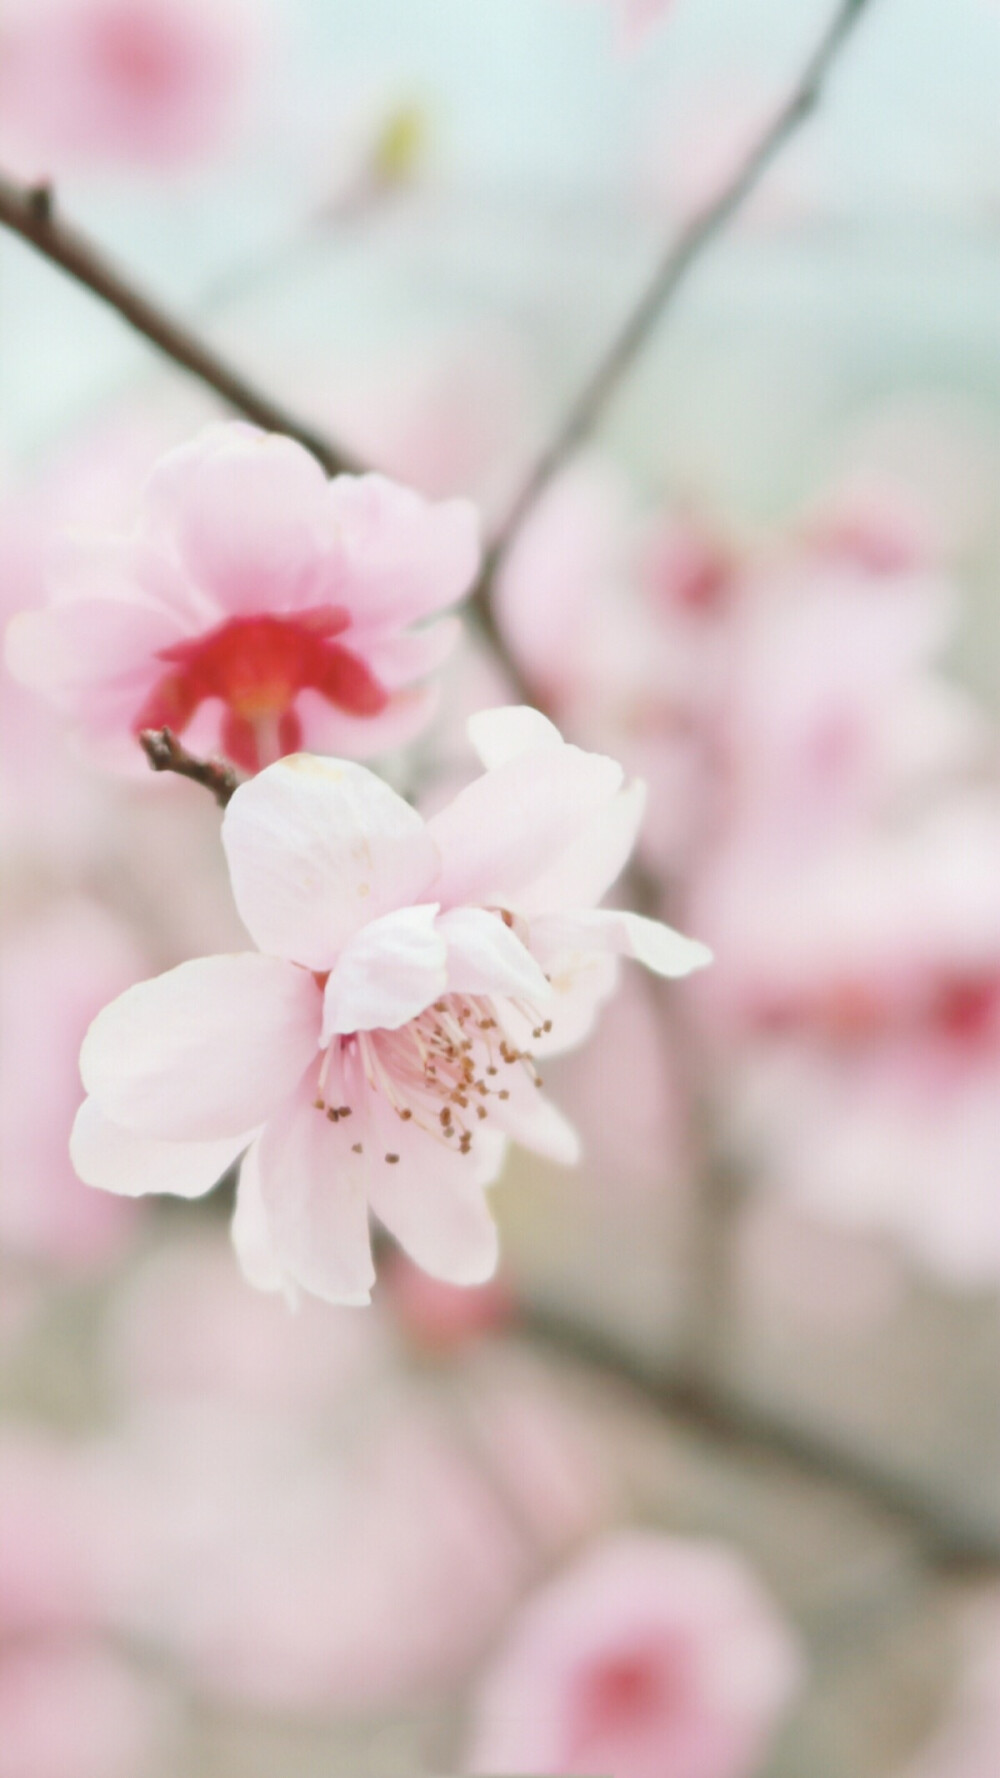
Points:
[(255, 605), (379, 1049), (78, 1711), (437, 1317), (863, 1050), (653, 1658), (968, 1744), (149, 83), (57, 970)]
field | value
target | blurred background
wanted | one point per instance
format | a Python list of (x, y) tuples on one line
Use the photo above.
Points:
[(757, 1330)]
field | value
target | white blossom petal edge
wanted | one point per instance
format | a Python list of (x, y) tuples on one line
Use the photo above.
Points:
[(378, 1051)]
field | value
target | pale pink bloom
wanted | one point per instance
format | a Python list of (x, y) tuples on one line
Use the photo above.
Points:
[(652, 1658), (77, 1710), (57, 970), (255, 606), (379, 1050), (148, 83), (858, 1008)]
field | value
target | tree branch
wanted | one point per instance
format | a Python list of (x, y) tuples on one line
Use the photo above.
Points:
[(678, 260), (31, 212), (165, 754)]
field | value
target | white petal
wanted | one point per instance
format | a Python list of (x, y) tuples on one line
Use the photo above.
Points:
[(204, 1051), (434, 1205), (119, 1161), (499, 735), (387, 974), (251, 1232), (532, 1119), (591, 863), (507, 828), (313, 1194), (659, 947), (317, 848), (486, 957)]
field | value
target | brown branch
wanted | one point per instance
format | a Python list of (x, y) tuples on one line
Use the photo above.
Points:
[(716, 1410), (165, 754), (31, 212), (671, 273)]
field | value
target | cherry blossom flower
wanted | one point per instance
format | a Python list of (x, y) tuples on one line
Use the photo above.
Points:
[(381, 1047), (652, 1657), (255, 606), (151, 83)]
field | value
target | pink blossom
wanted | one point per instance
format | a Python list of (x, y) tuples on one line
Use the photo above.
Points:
[(78, 1711), (636, 16), (379, 1049), (255, 606), (152, 83), (858, 1009), (56, 971), (653, 1658)]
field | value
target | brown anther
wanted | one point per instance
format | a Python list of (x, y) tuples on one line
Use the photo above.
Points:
[(492, 1070), (356, 1148), (503, 1093), (319, 1104), (547, 1026), (345, 1110), (481, 1111), (406, 1114), (506, 916), (334, 1116), (445, 1115), (392, 1159)]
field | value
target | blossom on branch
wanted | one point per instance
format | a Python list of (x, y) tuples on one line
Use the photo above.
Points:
[(255, 606), (381, 1047)]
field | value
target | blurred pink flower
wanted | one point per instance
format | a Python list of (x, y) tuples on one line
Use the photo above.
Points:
[(255, 605), (148, 83), (653, 1658), (636, 16), (76, 1710), (857, 1003), (56, 971), (379, 1040)]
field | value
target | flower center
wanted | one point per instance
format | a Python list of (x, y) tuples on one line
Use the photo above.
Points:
[(257, 667), (445, 1071), (141, 54)]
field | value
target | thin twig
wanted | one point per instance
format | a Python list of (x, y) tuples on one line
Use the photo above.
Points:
[(680, 257), (166, 754), (31, 212)]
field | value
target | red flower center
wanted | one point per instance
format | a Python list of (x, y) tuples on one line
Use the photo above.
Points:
[(257, 667)]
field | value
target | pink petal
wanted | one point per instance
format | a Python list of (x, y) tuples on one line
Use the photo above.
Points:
[(118, 1160), (585, 871), (251, 1231), (387, 974), (486, 957), (247, 512), (325, 729), (532, 1120), (73, 647), (401, 557), (432, 1201), (650, 942), (318, 848), (314, 1199), (397, 657), (507, 827), (204, 1051)]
